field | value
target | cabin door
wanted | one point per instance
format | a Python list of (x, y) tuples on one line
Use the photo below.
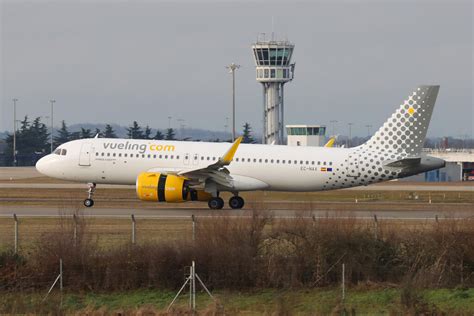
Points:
[(85, 154)]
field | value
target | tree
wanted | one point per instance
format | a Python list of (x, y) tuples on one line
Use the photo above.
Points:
[(135, 131), (159, 135), (147, 134), (31, 143), (170, 134), (97, 132), (63, 135), (109, 132), (85, 133), (247, 137)]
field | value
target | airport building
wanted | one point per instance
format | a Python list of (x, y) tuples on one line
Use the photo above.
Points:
[(273, 70), (306, 135), (459, 166)]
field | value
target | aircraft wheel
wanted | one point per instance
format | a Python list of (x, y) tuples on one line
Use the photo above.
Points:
[(236, 202), (216, 203), (88, 202)]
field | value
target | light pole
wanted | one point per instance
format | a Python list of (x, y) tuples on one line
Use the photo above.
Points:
[(350, 134), (368, 129), (52, 128), (14, 130), (232, 67), (333, 123)]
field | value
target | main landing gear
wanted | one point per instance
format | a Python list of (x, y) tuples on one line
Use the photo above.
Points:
[(217, 203), (89, 202), (236, 202)]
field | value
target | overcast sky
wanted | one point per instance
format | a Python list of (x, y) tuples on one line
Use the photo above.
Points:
[(114, 62)]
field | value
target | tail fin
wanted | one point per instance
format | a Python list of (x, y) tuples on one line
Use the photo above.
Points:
[(403, 134)]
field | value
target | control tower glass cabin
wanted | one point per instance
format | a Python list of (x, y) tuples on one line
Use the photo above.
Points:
[(273, 70)]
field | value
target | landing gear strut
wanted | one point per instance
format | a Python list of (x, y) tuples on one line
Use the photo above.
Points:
[(216, 203), (236, 202), (89, 202)]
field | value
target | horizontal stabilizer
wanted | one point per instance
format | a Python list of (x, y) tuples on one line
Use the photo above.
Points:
[(403, 163)]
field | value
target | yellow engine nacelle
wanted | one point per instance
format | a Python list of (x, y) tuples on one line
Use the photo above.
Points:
[(159, 187)]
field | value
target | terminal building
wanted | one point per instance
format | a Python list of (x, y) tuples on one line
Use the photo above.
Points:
[(459, 166), (306, 135)]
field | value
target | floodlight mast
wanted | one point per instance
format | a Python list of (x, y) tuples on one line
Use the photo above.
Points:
[(232, 68)]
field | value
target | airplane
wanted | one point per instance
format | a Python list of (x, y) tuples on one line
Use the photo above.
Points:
[(177, 171)]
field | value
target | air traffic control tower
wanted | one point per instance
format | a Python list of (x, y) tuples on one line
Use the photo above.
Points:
[(273, 69)]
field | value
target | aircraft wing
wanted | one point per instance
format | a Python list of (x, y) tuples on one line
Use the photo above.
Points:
[(217, 171)]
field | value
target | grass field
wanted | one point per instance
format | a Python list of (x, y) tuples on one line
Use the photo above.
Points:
[(360, 300)]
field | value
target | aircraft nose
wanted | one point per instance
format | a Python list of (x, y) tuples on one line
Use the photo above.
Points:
[(44, 165)]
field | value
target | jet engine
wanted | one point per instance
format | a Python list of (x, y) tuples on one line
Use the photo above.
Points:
[(152, 186)]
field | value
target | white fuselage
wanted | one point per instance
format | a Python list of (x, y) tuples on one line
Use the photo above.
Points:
[(254, 167), (120, 161)]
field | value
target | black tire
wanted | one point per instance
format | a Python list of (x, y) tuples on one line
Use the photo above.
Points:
[(216, 203), (88, 202), (236, 202)]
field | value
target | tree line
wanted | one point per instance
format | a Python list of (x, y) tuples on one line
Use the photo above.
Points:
[(33, 138)]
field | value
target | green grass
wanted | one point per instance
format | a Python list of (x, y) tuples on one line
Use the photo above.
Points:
[(380, 301)]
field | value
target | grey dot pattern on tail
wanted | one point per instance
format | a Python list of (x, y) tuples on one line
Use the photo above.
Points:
[(401, 136)]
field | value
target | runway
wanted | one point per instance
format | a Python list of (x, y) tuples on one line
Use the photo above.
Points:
[(400, 186), (426, 214)]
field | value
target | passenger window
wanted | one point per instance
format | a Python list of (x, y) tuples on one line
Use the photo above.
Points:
[(208, 158), (312, 162), (120, 154), (97, 154), (177, 157), (154, 156), (307, 162), (283, 161), (296, 162), (254, 160), (330, 163), (289, 162), (213, 158), (108, 154), (324, 163), (171, 157), (160, 156), (271, 161), (237, 159), (125, 155), (248, 159), (278, 161), (166, 156), (202, 158), (319, 162), (113, 154), (64, 152), (102, 154), (266, 160), (143, 155)]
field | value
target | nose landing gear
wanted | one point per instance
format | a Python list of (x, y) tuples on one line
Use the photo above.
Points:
[(89, 202)]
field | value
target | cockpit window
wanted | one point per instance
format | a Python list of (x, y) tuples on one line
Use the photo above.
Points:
[(57, 152), (63, 152)]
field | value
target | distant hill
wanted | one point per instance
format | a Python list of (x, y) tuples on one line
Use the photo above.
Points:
[(186, 133)]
